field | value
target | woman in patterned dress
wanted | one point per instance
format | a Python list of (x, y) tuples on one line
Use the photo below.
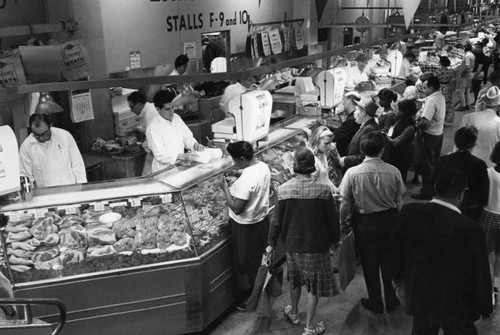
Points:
[(445, 76)]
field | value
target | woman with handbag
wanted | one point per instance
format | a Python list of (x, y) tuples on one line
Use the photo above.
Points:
[(248, 202), (306, 219)]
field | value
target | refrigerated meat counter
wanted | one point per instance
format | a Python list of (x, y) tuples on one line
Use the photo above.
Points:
[(142, 255)]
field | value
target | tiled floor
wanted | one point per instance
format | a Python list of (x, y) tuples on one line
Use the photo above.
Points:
[(342, 314)]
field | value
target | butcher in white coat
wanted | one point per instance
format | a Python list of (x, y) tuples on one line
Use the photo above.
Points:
[(50, 156)]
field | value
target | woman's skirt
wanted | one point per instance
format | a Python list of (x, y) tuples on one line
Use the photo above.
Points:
[(490, 223), (249, 243), (312, 270)]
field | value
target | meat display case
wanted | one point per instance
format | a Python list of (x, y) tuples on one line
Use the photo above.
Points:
[(143, 255)]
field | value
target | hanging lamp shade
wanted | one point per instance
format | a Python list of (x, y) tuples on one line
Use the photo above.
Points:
[(47, 105)]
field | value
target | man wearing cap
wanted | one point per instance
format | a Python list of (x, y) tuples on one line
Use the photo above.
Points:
[(487, 123), (405, 70), (431, 126), (493, 80), (364, 115), (440, 262), (373, 193), (343, 135), (358, 73)]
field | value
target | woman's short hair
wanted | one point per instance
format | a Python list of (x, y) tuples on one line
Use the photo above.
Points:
[(241, 149), (408, 107), (445, 61), (304, 161), (495, 154), (388, 94), (466, 137), (372, 143), (317, 134)]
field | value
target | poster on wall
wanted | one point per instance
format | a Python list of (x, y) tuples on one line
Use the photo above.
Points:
[(189, 49), (135, 59), (81, 106), (266, 46)]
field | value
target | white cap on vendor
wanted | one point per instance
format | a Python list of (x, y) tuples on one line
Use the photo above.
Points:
[(492, 97)]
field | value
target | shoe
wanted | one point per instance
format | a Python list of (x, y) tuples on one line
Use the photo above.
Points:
[(421, 196), (241, 307), (462, 109), (366, 303), (392, 305), (319, 328), (293, 318)]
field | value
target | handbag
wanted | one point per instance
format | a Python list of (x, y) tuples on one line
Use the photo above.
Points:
[(260, 283), (275, 283), (344, 260)]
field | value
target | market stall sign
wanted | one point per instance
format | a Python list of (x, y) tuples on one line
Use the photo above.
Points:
[(68, 209), (166, 198), (135, 202), (99, 206)]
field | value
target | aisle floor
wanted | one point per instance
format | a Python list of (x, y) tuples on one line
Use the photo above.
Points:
[(342, 314)]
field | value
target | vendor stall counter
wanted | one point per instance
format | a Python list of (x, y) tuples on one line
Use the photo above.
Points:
[(144, 255)]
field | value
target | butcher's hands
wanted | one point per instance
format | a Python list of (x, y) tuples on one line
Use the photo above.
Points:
[(224, 183), (198, 147)]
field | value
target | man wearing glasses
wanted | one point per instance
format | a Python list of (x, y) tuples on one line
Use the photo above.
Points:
[(167, 134), (50, 156)]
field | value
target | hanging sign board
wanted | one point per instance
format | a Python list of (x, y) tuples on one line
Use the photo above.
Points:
[(299, 38), (75, 60), (11, 70), (275, 37), (266, 46)]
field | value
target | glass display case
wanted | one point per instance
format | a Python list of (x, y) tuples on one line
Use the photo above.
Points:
[(156, 249)]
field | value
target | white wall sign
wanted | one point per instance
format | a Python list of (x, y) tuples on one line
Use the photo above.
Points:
[(189, 49), (135, 59), (81, 106)]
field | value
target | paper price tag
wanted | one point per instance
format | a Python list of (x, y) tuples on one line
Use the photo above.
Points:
[(135, 202), (166, 198), (99, 206), (116, 204), (13, 216), (68, 209), (39, 213)]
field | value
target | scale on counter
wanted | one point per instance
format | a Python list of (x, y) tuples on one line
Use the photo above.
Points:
[(251, 118), (331, 85), (9, 161)]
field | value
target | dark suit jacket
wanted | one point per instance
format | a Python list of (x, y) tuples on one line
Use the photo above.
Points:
[(354, 155), (441, 257), (477, 176), (344, 134)]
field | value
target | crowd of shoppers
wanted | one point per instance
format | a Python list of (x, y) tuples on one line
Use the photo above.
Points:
[(437, 258)]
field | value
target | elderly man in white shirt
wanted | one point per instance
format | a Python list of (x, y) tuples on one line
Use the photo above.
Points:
[(167, 134), (50, 156), (233, 90)]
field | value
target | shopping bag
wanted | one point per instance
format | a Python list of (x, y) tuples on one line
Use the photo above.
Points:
[(347, 261), (274, 284), (265, 302), (259, 284)]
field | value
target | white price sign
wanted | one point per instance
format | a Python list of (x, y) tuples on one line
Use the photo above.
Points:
[(13, 216), (99, 206), (166, 198), (116, 204), (39, 213), (135, 202), (68, 209)]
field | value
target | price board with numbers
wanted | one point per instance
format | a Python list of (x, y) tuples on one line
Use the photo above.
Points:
[(81, 106)]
